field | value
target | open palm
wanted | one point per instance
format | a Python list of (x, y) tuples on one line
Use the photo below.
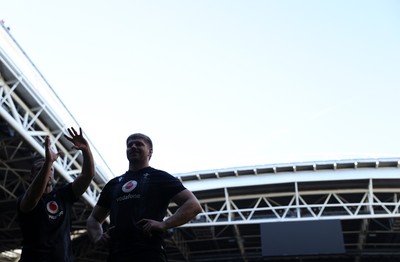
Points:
[(77, 139)]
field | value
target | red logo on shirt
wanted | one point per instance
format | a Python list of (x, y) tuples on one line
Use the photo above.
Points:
[(129, 186), (52, 207)]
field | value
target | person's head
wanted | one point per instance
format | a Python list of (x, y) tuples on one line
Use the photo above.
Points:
[(139, 148), (37, 166)]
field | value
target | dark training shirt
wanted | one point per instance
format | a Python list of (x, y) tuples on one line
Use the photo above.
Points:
[(145, 193), (46, 229)]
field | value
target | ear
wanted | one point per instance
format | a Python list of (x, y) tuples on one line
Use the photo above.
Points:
[(150, 153)]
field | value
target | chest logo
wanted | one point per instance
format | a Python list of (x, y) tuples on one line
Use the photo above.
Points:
[(52, 207), (129, 186)]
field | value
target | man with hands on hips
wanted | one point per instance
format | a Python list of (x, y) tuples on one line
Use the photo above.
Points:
[(137, 202)]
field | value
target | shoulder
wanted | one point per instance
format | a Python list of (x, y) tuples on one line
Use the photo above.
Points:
[(161, 175), (65, 192), (155, 171), (115, 180), (62, 189)]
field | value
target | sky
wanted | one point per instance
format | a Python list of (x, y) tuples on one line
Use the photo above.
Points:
[(221, 84)]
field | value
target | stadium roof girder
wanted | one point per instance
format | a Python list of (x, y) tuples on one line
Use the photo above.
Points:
[(370, 190), (29, 105)]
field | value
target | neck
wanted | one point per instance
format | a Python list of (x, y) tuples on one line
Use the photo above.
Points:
[(136, 166)]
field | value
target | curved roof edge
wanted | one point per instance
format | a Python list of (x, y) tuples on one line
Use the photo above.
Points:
[(288, 169)]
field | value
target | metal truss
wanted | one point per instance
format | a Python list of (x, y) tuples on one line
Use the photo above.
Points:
[(30, 111), (336, 190), (363, 193), (24, 107), (235, 201), (26, 120), (291, 206)]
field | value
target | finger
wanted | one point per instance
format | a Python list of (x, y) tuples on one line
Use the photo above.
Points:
[(80, 131), (73, 129), (67, 137), (147, 227), (110, 229), (142, 221), (47, 141)]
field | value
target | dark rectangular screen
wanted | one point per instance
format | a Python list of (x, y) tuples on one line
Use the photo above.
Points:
[(302, 238)]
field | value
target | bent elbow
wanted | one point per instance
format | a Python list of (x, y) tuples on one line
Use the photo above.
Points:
[(197, 208)]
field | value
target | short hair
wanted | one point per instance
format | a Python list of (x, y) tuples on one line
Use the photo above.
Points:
[(145, 138), (37, 165)]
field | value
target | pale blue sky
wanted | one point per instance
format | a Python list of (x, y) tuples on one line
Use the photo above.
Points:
[(220, 84)]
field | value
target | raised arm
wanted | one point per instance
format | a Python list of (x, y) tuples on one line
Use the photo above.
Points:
[(43, 172), (82, 182)]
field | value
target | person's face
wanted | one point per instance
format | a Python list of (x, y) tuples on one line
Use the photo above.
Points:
[(36, 169), (137, 150)]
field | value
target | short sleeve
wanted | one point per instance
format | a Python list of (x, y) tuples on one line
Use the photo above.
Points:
[(106, 196)]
